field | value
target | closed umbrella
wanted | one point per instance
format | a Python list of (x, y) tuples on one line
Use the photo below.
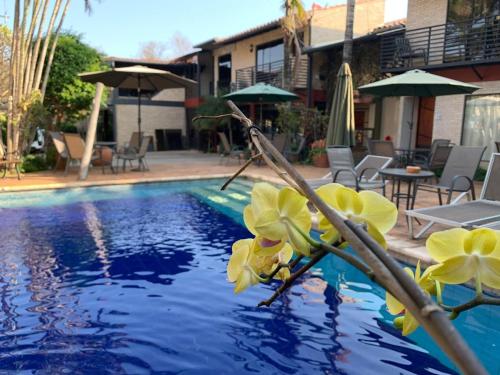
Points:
[(341, 124), (138, 78), (261, 93), (417, 83)]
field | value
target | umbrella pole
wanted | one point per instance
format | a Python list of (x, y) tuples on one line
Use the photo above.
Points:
[(410, 124)]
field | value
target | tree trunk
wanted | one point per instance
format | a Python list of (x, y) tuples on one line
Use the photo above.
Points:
[(29, 45), (53, 50), (349, 27), (43, 55), (31, 69), (91, 130)]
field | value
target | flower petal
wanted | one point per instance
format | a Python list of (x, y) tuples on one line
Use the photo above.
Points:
[(489, 270), (456, 270), (265, 247), (380, 211), (268, 225), (298, 242), (480, 241), (238, 259), (245, 279), (327, 193), (347, 201), (264, 197), (291, 203), (375, 234), (446, 244), (410, 324), (249, 219), (393, 305), (330, 236)]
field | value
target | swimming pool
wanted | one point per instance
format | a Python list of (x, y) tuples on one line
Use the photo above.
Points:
[(131, 279)]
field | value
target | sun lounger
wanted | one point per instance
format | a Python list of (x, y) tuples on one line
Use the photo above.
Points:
[(484, 212), (363, 176)]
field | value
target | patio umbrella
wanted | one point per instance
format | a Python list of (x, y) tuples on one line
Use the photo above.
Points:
[(261, 93), (138, 78), (417, 83), (341, 124)]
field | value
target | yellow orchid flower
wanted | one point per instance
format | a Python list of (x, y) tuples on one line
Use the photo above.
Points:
[(367, 207), (239, 268), (276, 216), (245, 265), (408, 322), (463, 255)]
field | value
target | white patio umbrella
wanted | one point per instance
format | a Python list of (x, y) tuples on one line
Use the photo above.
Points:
[(138, 78)]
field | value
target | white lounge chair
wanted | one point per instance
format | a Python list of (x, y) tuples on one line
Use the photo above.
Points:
[(484, 212)]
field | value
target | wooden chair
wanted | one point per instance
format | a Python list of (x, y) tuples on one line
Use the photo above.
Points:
[(5, 161), (75, 147)]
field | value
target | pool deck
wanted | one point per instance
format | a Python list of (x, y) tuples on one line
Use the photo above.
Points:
[(175, 165)]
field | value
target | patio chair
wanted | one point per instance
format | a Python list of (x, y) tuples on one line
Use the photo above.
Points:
[(363, 176), (437, 159), (60, 146), (75, 147), (227, 152), (458, 174), (133, 144), (139, 156), (383, 148), (423, 158), (5, 161), (484, 212), (405, 53)]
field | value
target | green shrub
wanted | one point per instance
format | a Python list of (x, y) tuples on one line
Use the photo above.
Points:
[(33, 163), (480, 174), (68, 128)]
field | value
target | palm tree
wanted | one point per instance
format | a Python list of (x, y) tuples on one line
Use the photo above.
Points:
[(293, 22)]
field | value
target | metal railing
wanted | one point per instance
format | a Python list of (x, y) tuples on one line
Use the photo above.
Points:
[(472, 42), (272, 73)]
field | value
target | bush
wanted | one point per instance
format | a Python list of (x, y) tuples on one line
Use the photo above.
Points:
[(68, 128), (33, 163)]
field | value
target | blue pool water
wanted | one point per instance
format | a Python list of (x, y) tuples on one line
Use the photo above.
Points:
[(132, 279)]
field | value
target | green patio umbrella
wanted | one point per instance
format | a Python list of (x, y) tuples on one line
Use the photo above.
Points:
[(261, 93), (341, 123), (417, 83)]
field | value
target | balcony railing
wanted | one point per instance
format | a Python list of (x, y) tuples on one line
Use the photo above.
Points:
[(272, 73), (470, 42)]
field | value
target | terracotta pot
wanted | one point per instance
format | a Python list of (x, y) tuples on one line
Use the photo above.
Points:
[(320, 160)]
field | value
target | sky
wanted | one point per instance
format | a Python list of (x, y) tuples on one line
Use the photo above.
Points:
[(120, 27)]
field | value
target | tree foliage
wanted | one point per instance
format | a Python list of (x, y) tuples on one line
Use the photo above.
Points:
[(68, 98)]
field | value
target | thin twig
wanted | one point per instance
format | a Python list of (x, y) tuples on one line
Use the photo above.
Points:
[(294, 276), (476, 301), (290, 266), (239, 171)]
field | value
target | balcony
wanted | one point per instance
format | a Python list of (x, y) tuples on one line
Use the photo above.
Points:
[(272, 73), (452, 44)]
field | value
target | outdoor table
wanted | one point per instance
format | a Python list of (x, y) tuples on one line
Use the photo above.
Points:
[(400, 174)]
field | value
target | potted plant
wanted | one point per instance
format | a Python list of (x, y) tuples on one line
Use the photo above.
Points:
[(318, 153)]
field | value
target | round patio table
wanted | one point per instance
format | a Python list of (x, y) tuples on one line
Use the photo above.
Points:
[(400, 174)]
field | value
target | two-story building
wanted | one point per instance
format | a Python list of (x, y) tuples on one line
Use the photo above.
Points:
[(257, 55), (456, 39)]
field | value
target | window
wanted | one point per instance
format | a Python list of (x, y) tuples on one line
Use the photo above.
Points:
[(224, 66), (481, 126), (269, 53), (465, 10)]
